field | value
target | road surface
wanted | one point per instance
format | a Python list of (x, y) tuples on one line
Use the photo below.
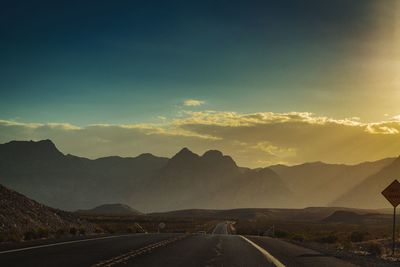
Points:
[(217, 249), (221, 229)]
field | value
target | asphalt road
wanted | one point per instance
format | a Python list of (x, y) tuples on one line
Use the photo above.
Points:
[(221, 229), (218, 249)]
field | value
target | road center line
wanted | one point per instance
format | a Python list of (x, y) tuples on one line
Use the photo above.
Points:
[(124, 258), (60, 243), (269, 257)]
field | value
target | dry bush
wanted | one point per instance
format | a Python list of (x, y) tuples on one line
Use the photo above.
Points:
[(42, 232), (358, 236), (374, 248), (328, 239), (281, 234), (12, 236), (73, 231), (30, 235), (298, 237)]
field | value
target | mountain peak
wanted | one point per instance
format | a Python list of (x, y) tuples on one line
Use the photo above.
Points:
[(213, 154), (146, 156), (185, 150), (47, 143), (216, 158), (185, 153), (31, 149), (184, 157)]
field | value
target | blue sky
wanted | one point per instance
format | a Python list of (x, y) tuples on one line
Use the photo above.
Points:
[(66, 65), (129, 61)]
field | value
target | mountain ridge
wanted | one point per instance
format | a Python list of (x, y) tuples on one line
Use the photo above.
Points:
[(148, 182), (368, 191), (186, 180)]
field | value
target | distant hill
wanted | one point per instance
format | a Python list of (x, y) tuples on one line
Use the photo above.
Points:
[(348, 216), (19, 214), (344, 216), (306, 214), (111, 210), (319, 184), (368, 192)]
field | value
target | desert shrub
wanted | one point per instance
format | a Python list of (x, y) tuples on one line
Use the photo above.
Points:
[(131, 229), (5, 237), (281, 234), (13, 236), (82, 231), (358, 236), (109, 229), (59, 233), (42, 233), (329, 239), (73, 231), (374, 248), (30, 234), (298, 237), (347, 245)]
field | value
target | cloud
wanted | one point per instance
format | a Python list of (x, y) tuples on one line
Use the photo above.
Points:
[(253, 139), (193, 103), (54, 125), (273, 150)]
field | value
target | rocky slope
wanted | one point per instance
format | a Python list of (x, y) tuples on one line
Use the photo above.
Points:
[(19, 214)]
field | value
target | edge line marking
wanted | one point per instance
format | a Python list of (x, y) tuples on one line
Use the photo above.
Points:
[(60, 243), (269, 257)]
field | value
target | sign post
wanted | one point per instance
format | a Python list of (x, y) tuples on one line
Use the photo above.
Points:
[(161, 226), (394, 231), (392, 194)]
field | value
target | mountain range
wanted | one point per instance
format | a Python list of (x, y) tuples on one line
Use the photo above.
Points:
[(187, 180)]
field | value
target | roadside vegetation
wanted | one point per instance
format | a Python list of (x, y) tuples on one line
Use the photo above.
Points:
[(43, 233), (354, 241), (106, 225)]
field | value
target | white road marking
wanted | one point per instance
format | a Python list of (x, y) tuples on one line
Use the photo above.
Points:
[(124, 258), (60, 243), (269, 257)]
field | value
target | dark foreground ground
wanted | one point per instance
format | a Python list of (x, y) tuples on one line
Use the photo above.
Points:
[(217, 249)]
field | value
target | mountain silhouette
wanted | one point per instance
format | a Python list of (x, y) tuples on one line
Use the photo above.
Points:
[(30, 151), (368, 192), (147, 182), (187, 180), (319, 184), (40, 171), (213, 180)]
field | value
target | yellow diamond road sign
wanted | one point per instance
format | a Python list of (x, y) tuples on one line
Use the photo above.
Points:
[(392, 193)]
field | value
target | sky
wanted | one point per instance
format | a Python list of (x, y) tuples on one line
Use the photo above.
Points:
[(266, 82)]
